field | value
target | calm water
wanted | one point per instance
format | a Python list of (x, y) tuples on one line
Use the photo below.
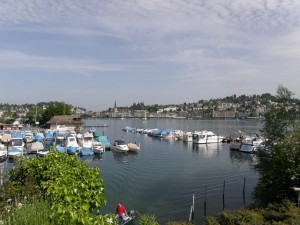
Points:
[(164, 175)]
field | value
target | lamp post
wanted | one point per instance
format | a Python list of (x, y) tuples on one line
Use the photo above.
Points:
[(297, 189)]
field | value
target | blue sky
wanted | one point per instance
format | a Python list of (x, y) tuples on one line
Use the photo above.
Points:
[(90, 53)]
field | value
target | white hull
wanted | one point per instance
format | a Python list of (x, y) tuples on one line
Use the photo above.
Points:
[(248, 148), (120, 149), (3, 154), (187, 137), (14, 154), (206, 137), (207, 141)]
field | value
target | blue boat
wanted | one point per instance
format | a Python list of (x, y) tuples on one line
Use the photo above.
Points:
[(71, 150), (85, 152), (49, 136), (38, 138), (60, 149)]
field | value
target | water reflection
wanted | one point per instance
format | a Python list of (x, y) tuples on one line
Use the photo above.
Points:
[(207, 149), (125, 156), (241, 157), (91, 158)]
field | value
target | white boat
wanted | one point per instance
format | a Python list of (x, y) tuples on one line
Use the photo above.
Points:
[(70, 140), (235, 145), (206, 137), (42, 153), (97, 147), (16, 143), (187, 136), (251, 143), (29, 136), (87, 140), (3, 151), (14, 152), (120, 146)]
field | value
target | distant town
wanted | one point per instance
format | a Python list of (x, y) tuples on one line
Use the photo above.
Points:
[(232, 107)]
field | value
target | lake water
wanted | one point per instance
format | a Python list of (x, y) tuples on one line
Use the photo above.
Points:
[(162, 178)]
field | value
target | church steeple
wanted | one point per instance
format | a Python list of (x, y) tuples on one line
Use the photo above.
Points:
[(115, 106)]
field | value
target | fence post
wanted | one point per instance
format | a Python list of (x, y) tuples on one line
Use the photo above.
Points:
[(244, 187), (224, 195)]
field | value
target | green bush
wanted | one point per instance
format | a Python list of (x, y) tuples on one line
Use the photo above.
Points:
[(284, 213), (75, 191)]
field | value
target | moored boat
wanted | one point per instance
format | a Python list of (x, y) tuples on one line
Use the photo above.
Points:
[(98, 148), (14, 152), (133, 147), (71, 150), (187, 136), (206, 137), (34, 147), (85, 152), (120, 146), (251, 143)]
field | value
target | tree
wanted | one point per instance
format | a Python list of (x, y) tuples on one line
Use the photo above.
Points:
[(34, 115), (281, 116), (55, 109), (280, 170)]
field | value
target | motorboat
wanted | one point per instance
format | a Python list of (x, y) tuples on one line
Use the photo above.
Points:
[(3, 151), (206, 137), (43, 152), (131, 216), (187, 136), (87, 140), (235, 140), (16, 142), (120, 146), (70, 140), (104, 141), (71, 150), (97, 147), (251, 143), (85, 152), (14, 152), (60, 149), (28, 136)]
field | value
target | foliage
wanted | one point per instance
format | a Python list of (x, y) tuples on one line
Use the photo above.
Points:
[(179, 223), (55, 109), (75, 191), (280, 118), (147, 220), (279, 171), (33, 212), (284, 213), (34, 115)]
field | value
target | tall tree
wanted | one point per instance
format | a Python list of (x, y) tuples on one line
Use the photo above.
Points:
[(280, 170), (55, 109), (281, 116)]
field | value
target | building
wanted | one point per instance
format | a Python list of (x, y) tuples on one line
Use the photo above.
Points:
[(65, 124)]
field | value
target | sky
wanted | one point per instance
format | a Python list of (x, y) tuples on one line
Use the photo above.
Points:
[(91, 53)]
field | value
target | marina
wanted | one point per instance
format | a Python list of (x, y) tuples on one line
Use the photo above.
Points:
[(161, 178)]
